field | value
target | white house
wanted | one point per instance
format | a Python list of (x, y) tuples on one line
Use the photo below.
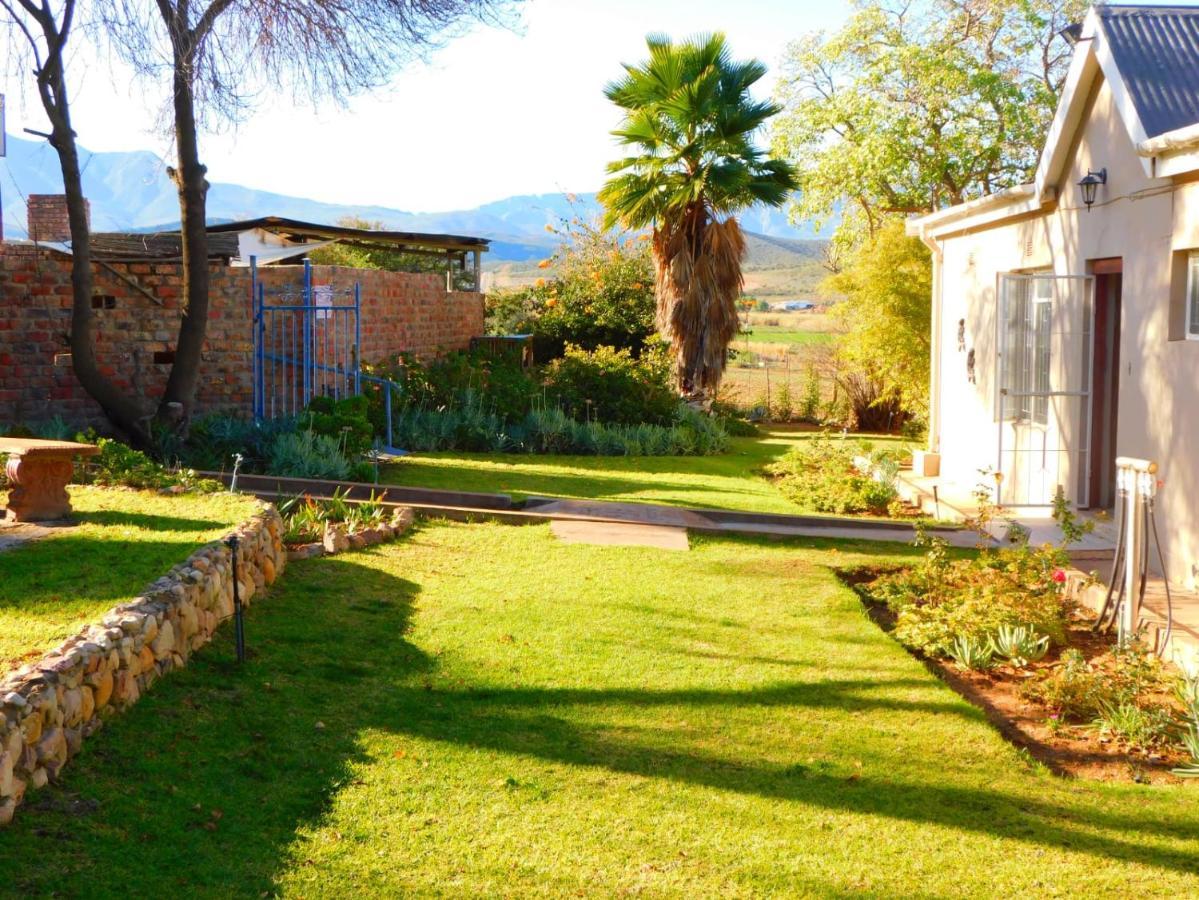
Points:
[(1066, 311)]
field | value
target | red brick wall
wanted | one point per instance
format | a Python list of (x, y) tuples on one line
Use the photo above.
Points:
[(401, 312)]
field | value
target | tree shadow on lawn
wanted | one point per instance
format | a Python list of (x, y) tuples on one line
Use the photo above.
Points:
[(204, 785), (540, 723)]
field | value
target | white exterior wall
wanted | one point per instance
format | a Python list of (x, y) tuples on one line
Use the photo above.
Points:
[(1145, 222)]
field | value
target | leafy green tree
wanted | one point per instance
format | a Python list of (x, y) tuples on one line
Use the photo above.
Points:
[(690, 120), (886, 285), (600, 292), (919, 104), (912, 106)]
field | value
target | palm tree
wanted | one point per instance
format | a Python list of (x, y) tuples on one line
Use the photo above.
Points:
[(691, 118)]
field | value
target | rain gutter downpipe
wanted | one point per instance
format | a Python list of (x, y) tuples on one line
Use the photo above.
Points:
[(934, 355)]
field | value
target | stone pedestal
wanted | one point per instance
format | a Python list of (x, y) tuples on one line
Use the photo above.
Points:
[(38, 488), (38, 474)]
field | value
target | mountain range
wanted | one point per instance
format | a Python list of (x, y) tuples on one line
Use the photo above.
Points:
[(130, 191)]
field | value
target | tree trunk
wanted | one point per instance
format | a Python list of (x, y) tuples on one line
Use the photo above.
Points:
[(123, 411), (180, 393)]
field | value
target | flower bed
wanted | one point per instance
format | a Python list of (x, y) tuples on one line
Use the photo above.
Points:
[(315, 527), (1001, 629), (845, 477)]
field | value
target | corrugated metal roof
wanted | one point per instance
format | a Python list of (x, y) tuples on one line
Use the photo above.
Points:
[(1156, 49), (162, 245)]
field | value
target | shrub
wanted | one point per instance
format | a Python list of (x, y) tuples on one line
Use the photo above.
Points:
[(550, 430), (118, 464), (508, 390), (809, 404), (1140, 726), (820, 475), (940, 600), (613, 386), (986, 598), (214, 440), (735, 426), (1080, 691), (347, 420), (783, 407), (304, 454)]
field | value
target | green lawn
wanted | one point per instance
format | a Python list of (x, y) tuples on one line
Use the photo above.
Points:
[(483, 711), (730, 480), (124, 541)]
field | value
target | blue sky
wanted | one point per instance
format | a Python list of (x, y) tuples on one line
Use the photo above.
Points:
[(494, 113)]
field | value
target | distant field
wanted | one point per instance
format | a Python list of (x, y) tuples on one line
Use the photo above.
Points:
[(809, 320), (750, 387), (775, 358), (782, 336)]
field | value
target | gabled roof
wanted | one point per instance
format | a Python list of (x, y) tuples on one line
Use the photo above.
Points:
[(1156, 49), (1149, 56)]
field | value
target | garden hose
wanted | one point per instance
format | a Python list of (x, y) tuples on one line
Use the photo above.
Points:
[(1144, 572)]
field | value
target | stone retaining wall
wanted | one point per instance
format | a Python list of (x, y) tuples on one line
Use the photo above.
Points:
[(48, 708)]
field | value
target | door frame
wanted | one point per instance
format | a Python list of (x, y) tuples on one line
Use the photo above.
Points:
[(1105, 379)]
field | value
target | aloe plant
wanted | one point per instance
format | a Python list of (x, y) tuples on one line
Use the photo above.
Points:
[(973, 653), (1020, 644)]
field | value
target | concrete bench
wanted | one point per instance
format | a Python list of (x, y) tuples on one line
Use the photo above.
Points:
[(38, 474)]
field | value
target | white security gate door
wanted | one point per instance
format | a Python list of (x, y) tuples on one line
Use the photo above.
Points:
[(1043, 403)]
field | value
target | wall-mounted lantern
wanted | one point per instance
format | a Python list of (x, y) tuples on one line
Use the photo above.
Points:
[(1090, 185)]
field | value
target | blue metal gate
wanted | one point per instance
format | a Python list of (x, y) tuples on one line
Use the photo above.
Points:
[(306, 344)]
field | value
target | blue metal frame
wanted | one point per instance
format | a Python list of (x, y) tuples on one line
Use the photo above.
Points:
[(307, 348)]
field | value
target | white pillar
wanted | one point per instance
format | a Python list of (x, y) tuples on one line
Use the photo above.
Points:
[(1136, 481)]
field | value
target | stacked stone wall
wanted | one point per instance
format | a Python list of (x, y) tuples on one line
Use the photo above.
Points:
[(49, 708)]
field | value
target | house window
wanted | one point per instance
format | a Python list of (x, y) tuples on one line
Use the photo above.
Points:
[(1193, 296), (1026, 346)]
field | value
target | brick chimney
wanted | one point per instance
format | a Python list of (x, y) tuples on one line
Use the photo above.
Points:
[(48, 220)]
